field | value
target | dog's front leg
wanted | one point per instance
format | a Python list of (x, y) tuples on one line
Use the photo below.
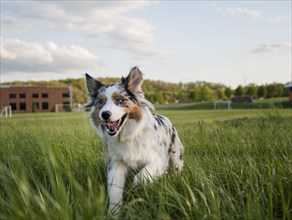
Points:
[(148, 173), (115, 182)]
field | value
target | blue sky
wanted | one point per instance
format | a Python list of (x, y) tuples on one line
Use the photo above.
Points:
[(229, 42)]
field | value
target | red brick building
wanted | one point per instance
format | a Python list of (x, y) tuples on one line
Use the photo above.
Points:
[(289, 87), (24, 98)]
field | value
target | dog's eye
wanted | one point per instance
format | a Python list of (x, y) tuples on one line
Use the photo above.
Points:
[(119, 101), (100, 102)]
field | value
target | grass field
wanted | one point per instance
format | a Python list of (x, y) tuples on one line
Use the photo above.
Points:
[(238, 165)]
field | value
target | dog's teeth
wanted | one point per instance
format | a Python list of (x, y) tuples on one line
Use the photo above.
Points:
[(112, 127)]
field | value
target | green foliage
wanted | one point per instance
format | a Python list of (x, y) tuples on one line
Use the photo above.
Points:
[(278, 90), (228, 92), (252, 90), (49, 170), (159, 92), (262, 91), (220, 94), (274, 90), (239, 91), (205, 94), (237, 166)]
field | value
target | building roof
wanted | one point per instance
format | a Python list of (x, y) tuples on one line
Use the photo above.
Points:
[(31, 86), (289, 85)]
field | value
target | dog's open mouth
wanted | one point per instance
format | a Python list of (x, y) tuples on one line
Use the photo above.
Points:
[(113, 127)]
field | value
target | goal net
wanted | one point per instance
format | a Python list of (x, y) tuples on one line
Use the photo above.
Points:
[(6, 111), (222, 105), (69, 108)]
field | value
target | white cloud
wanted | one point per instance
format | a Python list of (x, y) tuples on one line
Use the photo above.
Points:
[(266, 48), (32, 57), (254, 14), (15, 25), (241, 11), (135, 36), (244, 11), (96, 19), (278, 19)]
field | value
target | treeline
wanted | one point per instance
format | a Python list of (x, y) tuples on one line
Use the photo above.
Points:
[(160, 92), (204, 91)]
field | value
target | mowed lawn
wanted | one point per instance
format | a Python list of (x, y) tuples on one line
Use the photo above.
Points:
[(238, 165)]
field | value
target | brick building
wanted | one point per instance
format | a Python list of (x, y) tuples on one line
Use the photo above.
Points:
[(24, 98), (289, 87)]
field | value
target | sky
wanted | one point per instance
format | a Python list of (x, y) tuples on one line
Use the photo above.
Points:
[(228, 42)]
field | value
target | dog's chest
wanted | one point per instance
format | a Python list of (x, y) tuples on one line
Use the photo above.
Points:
[(134, 154)]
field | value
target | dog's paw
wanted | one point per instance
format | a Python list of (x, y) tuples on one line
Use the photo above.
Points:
[(179, 166)]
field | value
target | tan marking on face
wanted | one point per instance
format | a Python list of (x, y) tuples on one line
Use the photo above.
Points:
[(95, 117), (130, 108), (134, 112), (117, 95)]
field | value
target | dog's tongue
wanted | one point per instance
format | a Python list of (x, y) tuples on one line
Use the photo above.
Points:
[(112, 124)]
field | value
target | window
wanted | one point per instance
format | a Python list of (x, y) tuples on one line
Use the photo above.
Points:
[(12, 95), (45, 95), (66, 106), (22, 106), (13, 106), (66, 95), (45, 105), (22, 95), (35, 106), (35, 95)]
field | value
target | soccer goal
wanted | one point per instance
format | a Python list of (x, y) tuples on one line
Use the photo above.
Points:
[(6, 111), (78, 108), (69, 108), (222, 105)]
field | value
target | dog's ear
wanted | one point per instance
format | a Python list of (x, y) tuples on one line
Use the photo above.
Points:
[(92, 86), (133, 84), (134, 81)]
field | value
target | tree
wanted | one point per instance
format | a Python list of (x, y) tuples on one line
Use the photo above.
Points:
[(252, 90), (192, 95), (220, 93), (239, 91), (78, 95), (205, 94), (197, 94), (181, 96), (262, 91), (278, 90), (228, 92), (159, 98), (270, 91), (274, 90)]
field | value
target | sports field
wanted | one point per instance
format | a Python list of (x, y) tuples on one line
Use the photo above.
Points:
[(238, 165)]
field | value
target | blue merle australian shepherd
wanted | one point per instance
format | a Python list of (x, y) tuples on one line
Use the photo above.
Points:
[(135, 139)]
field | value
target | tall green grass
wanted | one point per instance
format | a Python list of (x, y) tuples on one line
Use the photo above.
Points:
[(238, 165)]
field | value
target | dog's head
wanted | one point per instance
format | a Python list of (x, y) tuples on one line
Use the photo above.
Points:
[(113, 105)]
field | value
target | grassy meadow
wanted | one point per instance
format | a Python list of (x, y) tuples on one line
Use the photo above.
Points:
[(238, 165)]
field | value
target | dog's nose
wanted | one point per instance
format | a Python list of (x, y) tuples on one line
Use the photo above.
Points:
[(106, 115)]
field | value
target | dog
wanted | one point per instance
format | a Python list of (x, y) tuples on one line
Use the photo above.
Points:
[(134, 138)]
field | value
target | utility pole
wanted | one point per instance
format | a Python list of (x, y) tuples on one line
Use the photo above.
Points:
[(244, 89)]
